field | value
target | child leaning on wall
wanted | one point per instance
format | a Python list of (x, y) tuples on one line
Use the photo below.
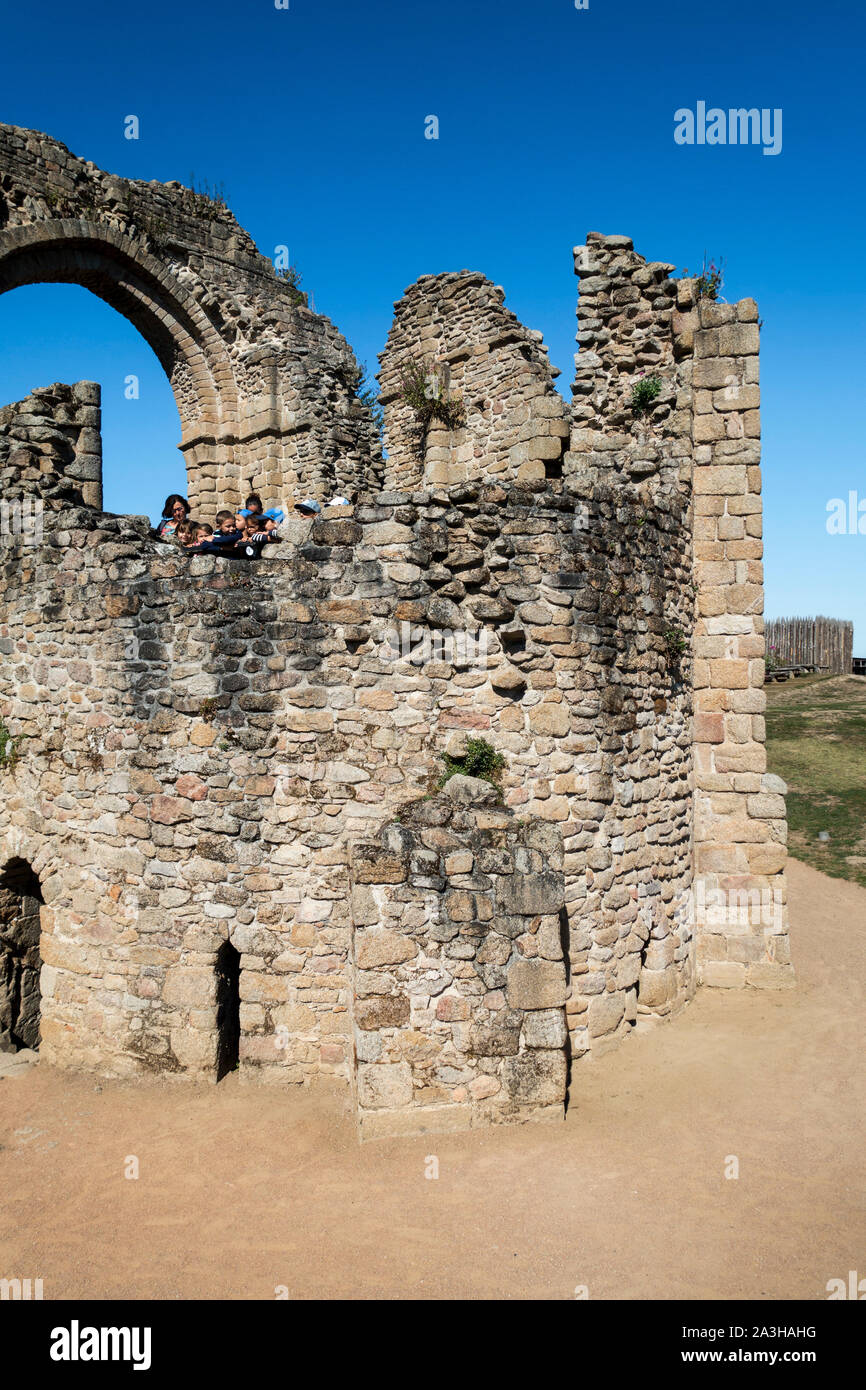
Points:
[(253, 507)]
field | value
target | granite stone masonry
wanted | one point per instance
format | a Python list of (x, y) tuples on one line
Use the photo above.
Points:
[(225, 842)]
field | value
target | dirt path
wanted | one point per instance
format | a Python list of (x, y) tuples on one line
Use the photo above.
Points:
[(242, 1189)]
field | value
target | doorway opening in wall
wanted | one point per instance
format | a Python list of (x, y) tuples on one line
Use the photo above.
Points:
[(20, 959), (228, 1002)]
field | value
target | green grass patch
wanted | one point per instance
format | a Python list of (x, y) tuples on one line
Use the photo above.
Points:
[(480, 760), (816, 741)]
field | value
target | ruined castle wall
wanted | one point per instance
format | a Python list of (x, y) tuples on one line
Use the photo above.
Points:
[(51, 444), (156, 799), (469, 349), (228, 731), (699, 440), (459, 976), (583, 588), (215, 750), (740, 824), (565, 670), (266, 390), (625, 313)]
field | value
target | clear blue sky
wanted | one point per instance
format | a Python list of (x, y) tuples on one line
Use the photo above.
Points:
[(553, 122)]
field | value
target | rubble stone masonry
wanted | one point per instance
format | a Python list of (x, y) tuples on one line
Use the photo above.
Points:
[(212, 750)]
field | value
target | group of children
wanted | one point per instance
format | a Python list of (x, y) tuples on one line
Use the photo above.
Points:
[(234, 533)]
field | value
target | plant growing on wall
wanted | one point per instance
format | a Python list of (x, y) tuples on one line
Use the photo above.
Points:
[(10, 747), (290, 281), (425, 389), (676, 646), (203, 200), (480, 760), (710, 280), (645, 391)]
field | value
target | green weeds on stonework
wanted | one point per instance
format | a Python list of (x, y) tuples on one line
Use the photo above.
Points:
[(644, 392), (676, 646), (10, 748), (480, 760), (675, 641), (710, 280), (202, 200), (290, 282), (424, 388)]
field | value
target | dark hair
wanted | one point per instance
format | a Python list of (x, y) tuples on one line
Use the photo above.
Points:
[(223, 516), (170, 502), (253, 497)]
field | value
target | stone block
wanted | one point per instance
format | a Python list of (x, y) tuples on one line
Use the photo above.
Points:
[(365, 912), (414, 1120), (530, 894), (723, 974), (605, 1013), (375, 946), (195, 1051), (384, 1085), (546, 1029), (657, 987), (486, 1040), (452, 1008), (189, 987), (551, 720), (382, 1011), (536, 1077), (738, 339), (536, 984)]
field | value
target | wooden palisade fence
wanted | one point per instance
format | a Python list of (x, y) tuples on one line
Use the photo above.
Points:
[(828, 642)]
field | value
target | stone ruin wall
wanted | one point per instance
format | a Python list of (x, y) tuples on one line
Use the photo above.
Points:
[(266, 390), (51, 444), (455, 328), (216, 751), (233, 738), (703, 438)]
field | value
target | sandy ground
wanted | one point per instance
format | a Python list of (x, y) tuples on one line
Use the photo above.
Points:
[(244, 1189)]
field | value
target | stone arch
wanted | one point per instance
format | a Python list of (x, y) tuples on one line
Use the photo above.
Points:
[(20, 956), (267, 390), (125, 275)]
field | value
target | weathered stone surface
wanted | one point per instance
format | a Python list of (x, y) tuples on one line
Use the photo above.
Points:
[(530, 894), (536, 984), (385, 1086), (382, 1011), (495, 1042), (470, 791), (375, 947), (545, 1029), (605, 1013), (535, 1078)]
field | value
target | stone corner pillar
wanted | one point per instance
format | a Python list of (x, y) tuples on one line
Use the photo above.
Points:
[(740, 827)]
